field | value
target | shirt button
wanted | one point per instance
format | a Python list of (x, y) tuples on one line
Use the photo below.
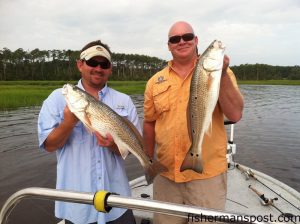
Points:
[(99, 178), (98, 161)]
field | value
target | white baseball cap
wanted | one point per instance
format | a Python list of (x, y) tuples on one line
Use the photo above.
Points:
[(93, 51)]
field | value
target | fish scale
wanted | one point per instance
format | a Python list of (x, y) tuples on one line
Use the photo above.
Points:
[(204, 93), (97, 116), (114, 124)]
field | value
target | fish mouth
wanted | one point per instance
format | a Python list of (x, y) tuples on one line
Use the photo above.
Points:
[(219, 44), (65, 89)]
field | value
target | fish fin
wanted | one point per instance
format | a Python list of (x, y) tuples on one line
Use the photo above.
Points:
[(88, 124), (124, 152), (154, 169), (192, 161)]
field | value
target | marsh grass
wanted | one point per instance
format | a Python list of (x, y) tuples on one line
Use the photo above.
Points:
[(128, 87), (12, 97), (16, 94)]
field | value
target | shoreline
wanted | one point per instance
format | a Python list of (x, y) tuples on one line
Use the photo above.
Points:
[(17, 94)]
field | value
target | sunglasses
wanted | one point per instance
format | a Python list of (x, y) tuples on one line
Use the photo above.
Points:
[(185, 37), (103, 64)]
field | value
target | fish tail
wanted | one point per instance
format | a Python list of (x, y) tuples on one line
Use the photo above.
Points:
[(153, 169), (192, 161)]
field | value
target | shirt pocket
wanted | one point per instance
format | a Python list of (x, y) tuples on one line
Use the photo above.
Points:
[(161, 97)]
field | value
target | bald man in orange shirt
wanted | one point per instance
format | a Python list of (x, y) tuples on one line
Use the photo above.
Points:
[(165, 125)]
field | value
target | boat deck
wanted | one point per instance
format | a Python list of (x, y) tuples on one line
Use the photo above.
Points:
[(242, 199)]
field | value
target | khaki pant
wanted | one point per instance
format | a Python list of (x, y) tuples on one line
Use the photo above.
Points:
[(207, 193)]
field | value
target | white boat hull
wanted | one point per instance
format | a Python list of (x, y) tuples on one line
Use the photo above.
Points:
[(241, 199)]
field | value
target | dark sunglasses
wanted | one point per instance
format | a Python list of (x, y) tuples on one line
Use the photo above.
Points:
[(103, 64), (186, 37)]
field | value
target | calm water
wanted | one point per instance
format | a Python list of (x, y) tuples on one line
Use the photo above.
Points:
[(267, 137)]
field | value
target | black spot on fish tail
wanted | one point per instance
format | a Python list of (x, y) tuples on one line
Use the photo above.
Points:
[(192, 161)]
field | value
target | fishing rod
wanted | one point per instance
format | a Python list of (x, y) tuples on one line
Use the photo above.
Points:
[(270, 202), (249, 173)]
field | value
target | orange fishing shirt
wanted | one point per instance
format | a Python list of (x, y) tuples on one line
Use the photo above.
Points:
[(166, 103)]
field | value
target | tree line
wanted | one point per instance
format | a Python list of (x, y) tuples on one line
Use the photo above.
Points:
[(61, 65), (266, 72)]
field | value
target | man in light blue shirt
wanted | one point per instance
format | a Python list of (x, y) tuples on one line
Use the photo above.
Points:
[(86, 162)]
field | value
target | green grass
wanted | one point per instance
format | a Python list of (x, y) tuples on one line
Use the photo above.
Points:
[(15, 94), (128, 87)]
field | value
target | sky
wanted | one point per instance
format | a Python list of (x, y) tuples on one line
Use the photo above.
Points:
[(253, 31)]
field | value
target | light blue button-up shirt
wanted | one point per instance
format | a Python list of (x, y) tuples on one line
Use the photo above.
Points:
[(82, 165)]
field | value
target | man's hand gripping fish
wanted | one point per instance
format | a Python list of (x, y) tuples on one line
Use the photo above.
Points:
[(98, 117)]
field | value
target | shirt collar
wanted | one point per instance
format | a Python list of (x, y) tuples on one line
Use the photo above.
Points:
[(170, 63), (101, 93), (170, 66)]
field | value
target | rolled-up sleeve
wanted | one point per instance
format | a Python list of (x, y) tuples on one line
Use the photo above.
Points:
[(50, 116)]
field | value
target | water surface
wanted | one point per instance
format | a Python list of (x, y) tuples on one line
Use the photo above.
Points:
[(267, 137)]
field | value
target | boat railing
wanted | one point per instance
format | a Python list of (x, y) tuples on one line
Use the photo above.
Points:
[(103, 201)]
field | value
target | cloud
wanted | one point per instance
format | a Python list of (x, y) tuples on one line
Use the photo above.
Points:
[(253, 31)]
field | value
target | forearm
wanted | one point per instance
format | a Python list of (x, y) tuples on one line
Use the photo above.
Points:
[(149, 138), (230, 98), (58, 137)]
